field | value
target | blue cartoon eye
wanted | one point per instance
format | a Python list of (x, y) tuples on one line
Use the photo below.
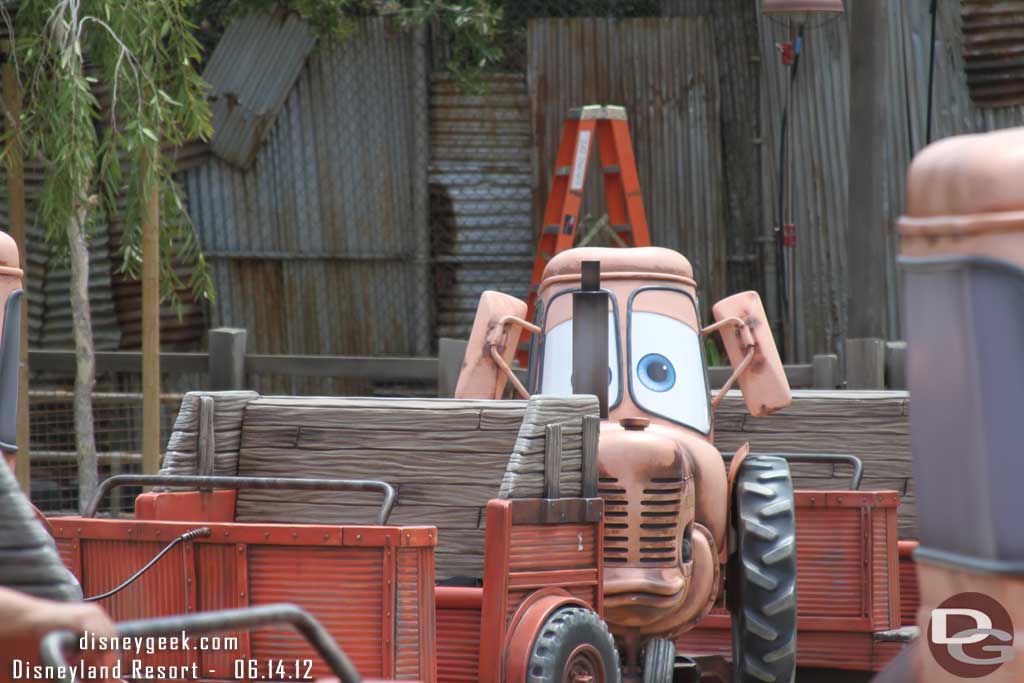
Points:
[(656, 372), (609, 376)]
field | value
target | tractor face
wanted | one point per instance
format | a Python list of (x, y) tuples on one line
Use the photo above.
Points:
[(663, 483)]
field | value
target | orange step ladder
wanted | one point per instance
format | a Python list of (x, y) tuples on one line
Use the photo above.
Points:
[(621, 189)]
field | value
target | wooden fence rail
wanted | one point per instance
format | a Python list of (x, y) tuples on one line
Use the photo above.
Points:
[(227, 363)]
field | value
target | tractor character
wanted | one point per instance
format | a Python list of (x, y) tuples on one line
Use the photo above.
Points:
[(624, 324)]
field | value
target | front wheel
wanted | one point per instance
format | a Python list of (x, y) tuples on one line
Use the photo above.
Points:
[(574, 646), (762, 573)]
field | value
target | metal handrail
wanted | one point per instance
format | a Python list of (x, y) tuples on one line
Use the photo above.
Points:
[(56, 643), (243, 483), (824, 458)]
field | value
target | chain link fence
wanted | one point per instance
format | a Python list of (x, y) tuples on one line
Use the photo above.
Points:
[(117, 424)]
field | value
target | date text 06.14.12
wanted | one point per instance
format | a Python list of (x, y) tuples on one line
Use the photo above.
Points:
[(274, 669)]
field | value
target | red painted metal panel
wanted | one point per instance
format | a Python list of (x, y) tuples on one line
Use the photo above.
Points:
[(458, 645), (884, 571), (547, 547), (408, 618), (68, 551), (342, 588), (219, 588), (847, 583), (161, 591), (830, 562)]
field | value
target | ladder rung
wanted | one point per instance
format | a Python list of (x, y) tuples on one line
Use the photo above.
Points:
[(612, 169), (563, 170), (551, 229)]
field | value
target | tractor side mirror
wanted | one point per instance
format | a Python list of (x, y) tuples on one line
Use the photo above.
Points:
[(755, 360), (492, 344)]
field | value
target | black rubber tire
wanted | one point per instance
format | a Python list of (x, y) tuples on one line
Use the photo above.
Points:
[(762, 573), (659, 661), (564, 631)]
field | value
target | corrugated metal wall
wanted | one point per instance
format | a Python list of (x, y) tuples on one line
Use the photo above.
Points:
[(822, 127), (48, 277), (481, 187), (735, 27), (322, 246), (665, 72)]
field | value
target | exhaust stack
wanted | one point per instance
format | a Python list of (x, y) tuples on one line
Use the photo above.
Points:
[(590, 336)]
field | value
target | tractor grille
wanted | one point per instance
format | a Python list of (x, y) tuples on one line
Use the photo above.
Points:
[(642, 527)]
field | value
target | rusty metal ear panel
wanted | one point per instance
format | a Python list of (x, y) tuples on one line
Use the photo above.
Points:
[(482, 376), (762, 378), (796, 6)]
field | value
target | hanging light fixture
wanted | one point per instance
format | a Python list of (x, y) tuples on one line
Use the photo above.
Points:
[(802, 6)]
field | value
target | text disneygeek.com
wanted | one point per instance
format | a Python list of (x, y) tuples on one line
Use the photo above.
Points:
[(135, 654)]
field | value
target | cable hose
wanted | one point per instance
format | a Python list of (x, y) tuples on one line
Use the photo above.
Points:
[(201, 532)]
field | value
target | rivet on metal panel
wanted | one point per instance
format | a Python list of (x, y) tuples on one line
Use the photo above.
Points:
[(327, 536), (266, 534), (226, 534), (158, 533), (78, 530), (131, 531), (295, 534), (839, 499), (241, 548), (242, 594), (60, 530), (359, 537), (188, 579)]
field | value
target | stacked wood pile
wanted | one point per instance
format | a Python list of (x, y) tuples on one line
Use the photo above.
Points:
[(183, 445), (873, 425), (447, 458)]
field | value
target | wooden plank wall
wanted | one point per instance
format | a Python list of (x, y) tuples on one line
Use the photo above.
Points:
[(873, 425)]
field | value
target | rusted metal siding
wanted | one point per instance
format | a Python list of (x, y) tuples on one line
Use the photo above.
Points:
[(342, 588), (665, 72), (822, 128), (993, 54), (249, 82), (735, 26), (481, 193), (322, 245), (458, 645)]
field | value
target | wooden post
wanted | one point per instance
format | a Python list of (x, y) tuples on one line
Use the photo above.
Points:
[(450, 355), (896, 365), (825, 371), (867, 227), (227, 358), (150, 313), (553, 461), (16, 218), (865, 364)]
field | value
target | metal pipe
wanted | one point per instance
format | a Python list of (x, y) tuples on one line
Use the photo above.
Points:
[(243, 483), (56, 643)]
